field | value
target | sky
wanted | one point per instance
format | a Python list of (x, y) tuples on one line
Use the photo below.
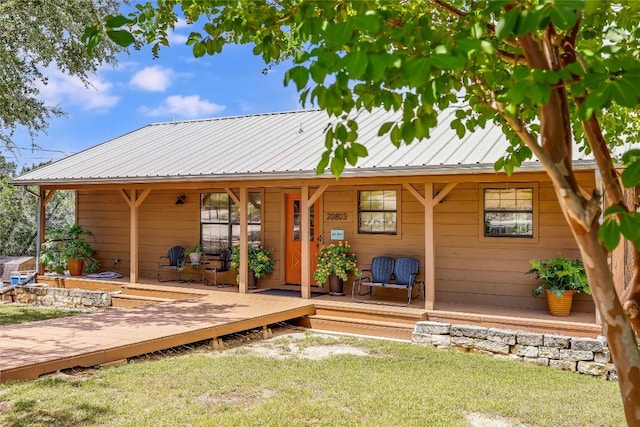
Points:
[(141, 90)]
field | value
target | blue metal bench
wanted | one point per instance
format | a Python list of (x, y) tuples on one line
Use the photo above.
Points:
[(387, 272)]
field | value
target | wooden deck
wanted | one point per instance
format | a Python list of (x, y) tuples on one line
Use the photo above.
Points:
[(156, 316), (32, 349)]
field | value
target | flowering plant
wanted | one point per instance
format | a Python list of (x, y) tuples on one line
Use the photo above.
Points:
[(334, 259), (260, 261)]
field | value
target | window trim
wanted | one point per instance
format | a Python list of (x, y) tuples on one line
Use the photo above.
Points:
[(229, 223), (398, 233), (506, 186)]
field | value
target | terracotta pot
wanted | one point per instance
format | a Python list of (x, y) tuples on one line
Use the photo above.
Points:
[(75, 267), (336, 285), (559, 305), (252, 282)]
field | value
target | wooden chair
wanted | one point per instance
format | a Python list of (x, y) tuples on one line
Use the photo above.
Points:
[(173, 261)]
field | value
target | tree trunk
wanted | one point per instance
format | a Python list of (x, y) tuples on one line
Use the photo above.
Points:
[(615, 323)]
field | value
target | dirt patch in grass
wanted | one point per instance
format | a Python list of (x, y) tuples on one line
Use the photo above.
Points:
[(476, 419), (236, 398), (289, 346)]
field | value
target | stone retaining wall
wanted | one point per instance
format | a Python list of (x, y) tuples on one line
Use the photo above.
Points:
[(59, 297), (584, 355)]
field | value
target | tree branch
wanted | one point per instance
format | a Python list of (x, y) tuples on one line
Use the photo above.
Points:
[(512, 58), (452, 10), (585, 214)]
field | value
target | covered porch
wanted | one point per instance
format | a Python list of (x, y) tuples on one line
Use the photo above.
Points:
[(340, 314), (431, 204)]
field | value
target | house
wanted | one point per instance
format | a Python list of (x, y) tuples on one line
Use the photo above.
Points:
[(252, 179)]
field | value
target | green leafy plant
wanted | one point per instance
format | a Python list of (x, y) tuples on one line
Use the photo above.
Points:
[(194, 254), (334, 259), (260, 261), (63, 244), (197, 249), (558, 275)]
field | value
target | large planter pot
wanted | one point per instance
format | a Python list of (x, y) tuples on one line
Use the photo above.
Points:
[(75, 267), (336, 285), (252, 282), (559, 305)]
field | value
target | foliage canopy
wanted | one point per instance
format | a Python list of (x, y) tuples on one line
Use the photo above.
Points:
[(555, 75), (36, 37)]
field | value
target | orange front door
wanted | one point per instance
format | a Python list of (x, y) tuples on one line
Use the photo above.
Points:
[(293, 268)]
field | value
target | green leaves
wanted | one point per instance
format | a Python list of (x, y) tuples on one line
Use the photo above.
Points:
[(619, 222), (121, 37), (507, 23), (347, 150), (609, 231), (299, 74), (117, 21), (518, 21), (631, 174)]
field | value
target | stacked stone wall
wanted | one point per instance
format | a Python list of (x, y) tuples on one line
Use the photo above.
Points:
[(60, 297), (587, 356)]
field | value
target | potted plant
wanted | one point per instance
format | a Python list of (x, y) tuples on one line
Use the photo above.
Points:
[(334, 262), (66, 249), (194, 253), (260, 263), (559, 278)]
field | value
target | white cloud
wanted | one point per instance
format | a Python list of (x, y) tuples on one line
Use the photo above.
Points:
[(66, 90), (182, 23), (247, 107), (189, 107), (152, 79), (177, 38)]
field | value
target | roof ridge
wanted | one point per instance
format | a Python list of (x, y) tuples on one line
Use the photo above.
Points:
[(239, 116)]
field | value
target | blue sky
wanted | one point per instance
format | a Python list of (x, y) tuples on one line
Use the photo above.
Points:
[(141, 90)]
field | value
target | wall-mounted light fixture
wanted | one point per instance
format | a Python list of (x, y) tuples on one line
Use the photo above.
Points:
[(181, 199)]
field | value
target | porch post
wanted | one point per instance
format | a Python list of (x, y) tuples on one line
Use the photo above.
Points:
[(305, 241), (134, 200), (244, 243), (43, 199), (133, 243), (429, 249)]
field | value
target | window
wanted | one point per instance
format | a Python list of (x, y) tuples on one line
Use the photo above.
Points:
[(220, 221), (508, 212), (377, 212)]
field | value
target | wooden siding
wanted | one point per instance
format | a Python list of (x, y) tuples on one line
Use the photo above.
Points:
[(469, 270)]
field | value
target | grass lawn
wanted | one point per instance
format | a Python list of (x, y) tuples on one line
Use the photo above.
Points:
[(11, 314), (319, 380)]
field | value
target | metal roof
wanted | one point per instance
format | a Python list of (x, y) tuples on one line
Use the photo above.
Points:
[(267, 146)]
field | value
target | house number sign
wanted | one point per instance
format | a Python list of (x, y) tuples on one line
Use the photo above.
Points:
[(336, 216)]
